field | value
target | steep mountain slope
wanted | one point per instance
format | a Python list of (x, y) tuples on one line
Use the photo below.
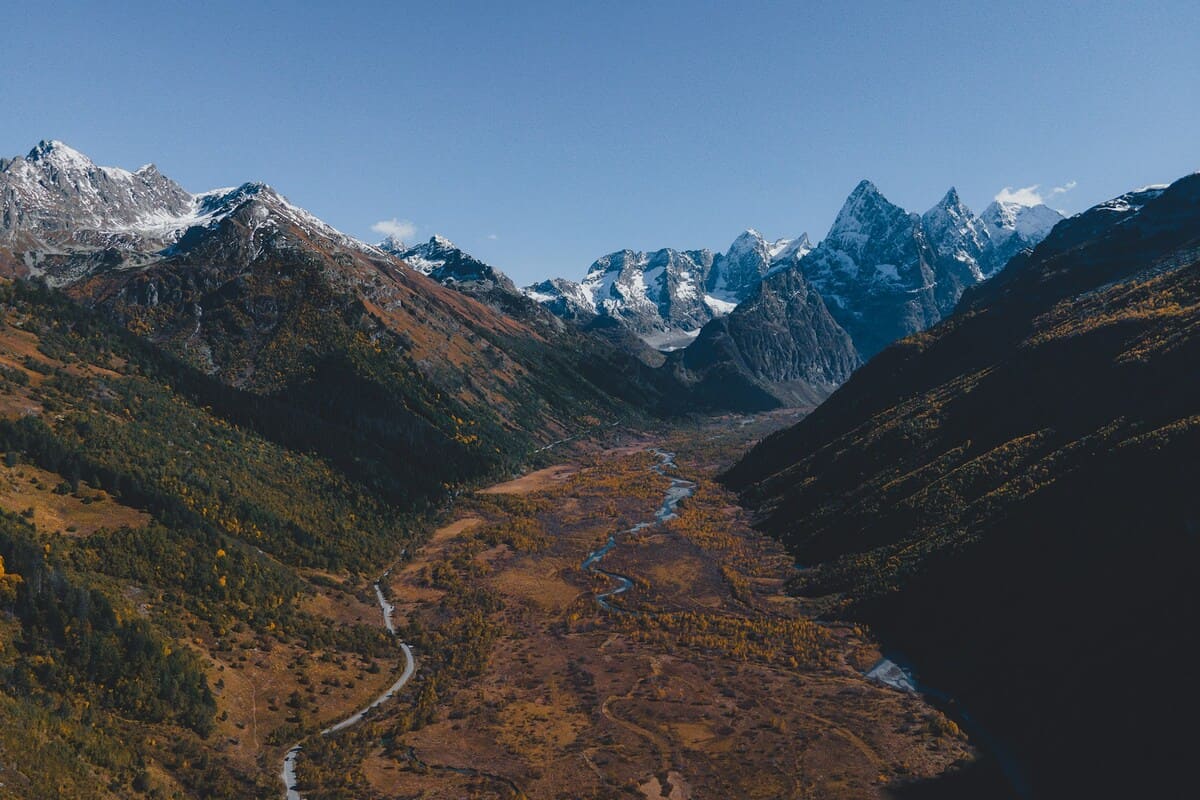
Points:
[(737, 272), (651, 292), (1011, 228), (167, 526), (666, 296), (262, 295), (442, 260), (780, 346), (1006, 497)]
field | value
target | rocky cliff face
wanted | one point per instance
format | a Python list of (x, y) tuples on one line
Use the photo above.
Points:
[(736, 273), (881, 273), (667, 295), (961, 245), (875, 270), (781, 340), (886, 273), (54, 189), (651, 292)]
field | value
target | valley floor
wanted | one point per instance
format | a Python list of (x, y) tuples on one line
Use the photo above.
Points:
[(704, 679)]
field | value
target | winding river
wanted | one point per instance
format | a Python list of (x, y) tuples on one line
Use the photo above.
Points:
[(288, 775), (677, 492)]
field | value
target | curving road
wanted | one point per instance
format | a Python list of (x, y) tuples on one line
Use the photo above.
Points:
[(288, 774), (679, 490)]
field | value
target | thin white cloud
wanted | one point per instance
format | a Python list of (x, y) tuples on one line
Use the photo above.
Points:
[(493, 236), (400, 229), (1030, 196), (1066, 187), (1026, 196)]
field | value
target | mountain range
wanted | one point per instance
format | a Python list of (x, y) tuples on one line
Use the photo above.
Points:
[(884, 272), (807, 316), (267, 299), (783, 322), (1005, 498), (249, 412), (880, 273)]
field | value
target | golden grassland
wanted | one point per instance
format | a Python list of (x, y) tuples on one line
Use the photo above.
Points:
[(710, 678), (712, 683), (54, 506)]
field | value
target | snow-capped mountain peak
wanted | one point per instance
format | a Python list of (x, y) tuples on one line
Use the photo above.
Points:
[(445, 262), (57, 202), (957, 236), (665, 296), (867, 216), (52, 151), (424, 257), (791, 250), (750, 257), (655, 292), (951, 204), (55, 187), (392, 244), (1004, 219)]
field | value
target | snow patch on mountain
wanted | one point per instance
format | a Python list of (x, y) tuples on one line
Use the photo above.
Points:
[(55, 199), (666, 296), (718, 306), (1029, 222)]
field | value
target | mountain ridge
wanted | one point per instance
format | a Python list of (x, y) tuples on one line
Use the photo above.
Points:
[(882, 272), (1001, 494)]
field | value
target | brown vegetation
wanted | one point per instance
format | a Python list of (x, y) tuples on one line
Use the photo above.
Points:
[(740, 696)]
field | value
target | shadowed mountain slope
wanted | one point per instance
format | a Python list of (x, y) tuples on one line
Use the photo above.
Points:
[(1007, 497)]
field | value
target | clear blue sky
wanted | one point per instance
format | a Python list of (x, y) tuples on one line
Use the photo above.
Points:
[(543, 135)]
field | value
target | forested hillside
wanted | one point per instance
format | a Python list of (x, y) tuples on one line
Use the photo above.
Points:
[(161, 522), (1008, 497)]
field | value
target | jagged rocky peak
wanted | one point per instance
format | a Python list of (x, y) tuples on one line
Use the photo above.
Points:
[(264, 210), (866, 218), (794, 249), (1006, 219), (991, 238), (64, 218), (1013, 227), (55, 187), (780, 342), (665, 296), (426, 256), (53, 153), (653, 292), (392, 244), (875, 270), (886, 273), (949, 210), (564, 298), (957, 236), (874, 239), (748, 259), (445, 262)]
